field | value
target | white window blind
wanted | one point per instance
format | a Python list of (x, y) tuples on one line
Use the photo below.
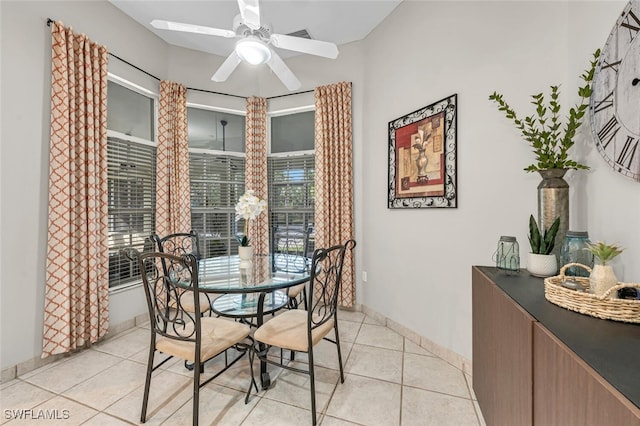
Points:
[(131, 204), (217, 182), (292, 193)]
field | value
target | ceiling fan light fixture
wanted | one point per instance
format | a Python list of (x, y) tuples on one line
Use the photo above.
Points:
[(253, 50)]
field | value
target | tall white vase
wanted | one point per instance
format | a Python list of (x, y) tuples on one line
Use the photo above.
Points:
[(246, 265)]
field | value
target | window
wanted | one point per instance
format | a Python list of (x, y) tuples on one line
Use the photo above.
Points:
[(217, 177), (131, 183), (292, 177), (217, 181), (129, 112), (215, 130), (293, 132)]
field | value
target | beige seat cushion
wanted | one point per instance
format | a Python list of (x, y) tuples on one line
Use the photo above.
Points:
[(217, 335), (186, 299), (294, 291), (289, 331)]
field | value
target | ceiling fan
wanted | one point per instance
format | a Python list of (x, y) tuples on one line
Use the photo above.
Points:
[(254, 43)]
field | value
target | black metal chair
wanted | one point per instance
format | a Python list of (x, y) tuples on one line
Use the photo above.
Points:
[(180, 244), (299, 331), (176, 331), (289, 254)]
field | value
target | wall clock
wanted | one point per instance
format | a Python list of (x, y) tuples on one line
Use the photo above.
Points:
[(615, 100)]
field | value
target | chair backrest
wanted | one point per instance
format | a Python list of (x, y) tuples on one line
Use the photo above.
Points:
[(164, 289), (289, 248), (324, 283), (178, 244)]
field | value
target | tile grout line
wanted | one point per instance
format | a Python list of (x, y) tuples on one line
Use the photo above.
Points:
[(335, 387), (476, 406), (344, 365), (404, 346)]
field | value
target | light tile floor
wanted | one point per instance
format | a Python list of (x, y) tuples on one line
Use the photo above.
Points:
[(388, 381)]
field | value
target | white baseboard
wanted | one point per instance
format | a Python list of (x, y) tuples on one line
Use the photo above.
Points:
[(446, 354), (24, 367)]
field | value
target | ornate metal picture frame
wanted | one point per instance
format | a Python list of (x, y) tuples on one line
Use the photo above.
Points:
[(422, 157)]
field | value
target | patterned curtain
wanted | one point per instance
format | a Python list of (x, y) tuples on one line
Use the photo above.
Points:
[(76, 310), (256, 169), (173, 192), (334, 181)]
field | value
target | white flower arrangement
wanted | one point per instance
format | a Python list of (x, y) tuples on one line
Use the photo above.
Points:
[(248, 208)]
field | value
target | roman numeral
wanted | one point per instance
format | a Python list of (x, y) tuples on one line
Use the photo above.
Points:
[(608, 132), (604, 104), (613, 65), (633, 28), (628, 152)]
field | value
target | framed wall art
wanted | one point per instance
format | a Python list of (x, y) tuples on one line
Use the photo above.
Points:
[(422, 157)]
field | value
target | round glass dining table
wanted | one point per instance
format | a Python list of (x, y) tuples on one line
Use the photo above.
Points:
[(223, 274), (251, 292)]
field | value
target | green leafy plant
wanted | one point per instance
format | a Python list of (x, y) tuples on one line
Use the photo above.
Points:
[(542, 244), (243, 240), (603, 251), (544, 131)]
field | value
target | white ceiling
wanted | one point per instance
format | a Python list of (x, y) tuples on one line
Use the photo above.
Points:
[(339, 22)]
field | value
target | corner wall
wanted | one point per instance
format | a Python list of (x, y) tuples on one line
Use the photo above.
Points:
[(418, 261)]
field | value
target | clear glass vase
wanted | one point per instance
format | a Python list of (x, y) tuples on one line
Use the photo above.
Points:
[(574, 250), (507, 255)]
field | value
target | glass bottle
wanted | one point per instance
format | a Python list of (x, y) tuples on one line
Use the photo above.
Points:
[(574, 251), (507, 255)]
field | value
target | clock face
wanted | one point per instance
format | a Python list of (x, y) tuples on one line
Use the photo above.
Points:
[(615, 101)]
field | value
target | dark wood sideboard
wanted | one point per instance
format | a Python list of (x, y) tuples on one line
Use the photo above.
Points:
[(535, 363)]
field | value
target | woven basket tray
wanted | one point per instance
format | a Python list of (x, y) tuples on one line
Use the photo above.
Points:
[(627, 310)]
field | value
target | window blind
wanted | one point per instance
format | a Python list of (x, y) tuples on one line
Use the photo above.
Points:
[(131, 204), (217, 182), (291, 192)]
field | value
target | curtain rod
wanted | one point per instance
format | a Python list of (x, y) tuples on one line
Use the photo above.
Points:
[(50, 21), (289, 94), (297, 93)]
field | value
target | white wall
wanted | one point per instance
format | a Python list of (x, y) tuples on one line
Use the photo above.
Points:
[(418, 261), (25, 88)]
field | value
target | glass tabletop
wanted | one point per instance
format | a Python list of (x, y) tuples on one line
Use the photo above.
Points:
[(246, 305), (224, 275)]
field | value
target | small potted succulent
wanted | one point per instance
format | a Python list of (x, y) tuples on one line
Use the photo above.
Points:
[(602, 276), (540, 261)]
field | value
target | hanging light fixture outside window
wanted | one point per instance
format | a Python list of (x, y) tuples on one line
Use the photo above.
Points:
[(253, 50)]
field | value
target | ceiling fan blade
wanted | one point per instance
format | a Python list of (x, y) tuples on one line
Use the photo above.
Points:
[(305, 45), (250, 12), (283, 72), (189, 28), (227, 67)]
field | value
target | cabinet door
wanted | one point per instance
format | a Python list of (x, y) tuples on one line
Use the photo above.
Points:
[(502, 355), (569, 392)]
